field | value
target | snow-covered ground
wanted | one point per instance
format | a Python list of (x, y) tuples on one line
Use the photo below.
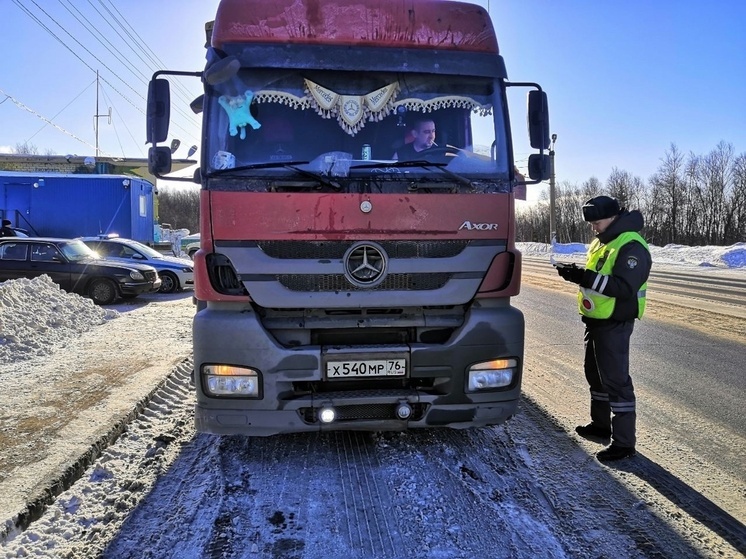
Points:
[(716, 257), (39, 322)]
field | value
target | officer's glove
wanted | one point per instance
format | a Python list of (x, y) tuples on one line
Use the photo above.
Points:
[(570, 272)]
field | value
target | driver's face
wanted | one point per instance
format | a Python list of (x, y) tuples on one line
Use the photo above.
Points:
[(424, 135)]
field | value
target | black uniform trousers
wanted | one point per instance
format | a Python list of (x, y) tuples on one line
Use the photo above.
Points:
[(607, 372)]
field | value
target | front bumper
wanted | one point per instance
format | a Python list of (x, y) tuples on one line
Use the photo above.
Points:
[(138, 288), (272, 422), (435, 387)]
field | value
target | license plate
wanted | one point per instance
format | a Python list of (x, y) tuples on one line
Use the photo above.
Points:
[(366, 368)]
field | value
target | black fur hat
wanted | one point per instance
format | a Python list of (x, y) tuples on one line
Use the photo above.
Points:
[(600, 207)]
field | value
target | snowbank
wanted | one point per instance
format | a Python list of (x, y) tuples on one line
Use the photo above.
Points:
[(36, 316)]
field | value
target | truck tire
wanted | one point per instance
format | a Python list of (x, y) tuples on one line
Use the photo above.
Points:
[(103, 291), (169, 283)]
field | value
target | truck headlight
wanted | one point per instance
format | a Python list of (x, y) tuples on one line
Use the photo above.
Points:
[(137, 276), (228, 380), (489, 375)]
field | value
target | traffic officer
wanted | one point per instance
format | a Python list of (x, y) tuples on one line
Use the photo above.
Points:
[(610, 298)]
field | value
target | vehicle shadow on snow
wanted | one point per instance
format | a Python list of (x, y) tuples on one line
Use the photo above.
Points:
[(129, 305), (687, 499)]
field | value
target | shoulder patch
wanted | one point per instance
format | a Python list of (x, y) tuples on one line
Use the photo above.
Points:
[(632, 262)]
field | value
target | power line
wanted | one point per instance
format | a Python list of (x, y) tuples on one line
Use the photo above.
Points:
[(150, 53), (33, 112), (91, 28), (48, 30), (156, 63), (86, 22), (60, 111), (89, 52)]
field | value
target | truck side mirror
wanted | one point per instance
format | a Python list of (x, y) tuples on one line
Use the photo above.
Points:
[(539, 166), (538, 119), (159, 160), (159, 110)]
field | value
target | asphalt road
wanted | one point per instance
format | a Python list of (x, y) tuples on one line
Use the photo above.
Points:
[(689, 381)]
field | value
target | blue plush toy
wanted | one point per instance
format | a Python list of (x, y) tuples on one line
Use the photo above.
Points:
[(238, 113)]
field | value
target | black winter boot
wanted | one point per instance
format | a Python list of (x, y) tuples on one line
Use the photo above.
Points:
[(593, 431), (613, 452)]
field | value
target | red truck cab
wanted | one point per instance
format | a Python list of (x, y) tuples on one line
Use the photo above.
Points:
[(352, 275)]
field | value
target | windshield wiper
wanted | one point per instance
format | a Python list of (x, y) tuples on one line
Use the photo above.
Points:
[(419, 163), (265, 165), (292, 165), (315, 176)]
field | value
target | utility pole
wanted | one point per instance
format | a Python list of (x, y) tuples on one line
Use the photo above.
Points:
[(552, 214), (96, 116)]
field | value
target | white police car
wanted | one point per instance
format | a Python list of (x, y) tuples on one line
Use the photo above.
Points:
[(175, 273)]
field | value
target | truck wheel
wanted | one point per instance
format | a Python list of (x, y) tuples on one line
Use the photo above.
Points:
[(102, 291), (169, 283)]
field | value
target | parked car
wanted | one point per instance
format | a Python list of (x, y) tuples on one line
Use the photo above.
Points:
[(175, 273), (190, 244), (75, 268)]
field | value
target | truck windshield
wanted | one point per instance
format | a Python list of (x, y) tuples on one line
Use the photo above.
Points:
[(344, 124)]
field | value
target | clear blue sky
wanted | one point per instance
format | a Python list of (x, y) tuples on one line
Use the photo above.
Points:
[(625, 79)]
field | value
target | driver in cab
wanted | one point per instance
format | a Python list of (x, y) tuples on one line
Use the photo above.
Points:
[(423, 133)]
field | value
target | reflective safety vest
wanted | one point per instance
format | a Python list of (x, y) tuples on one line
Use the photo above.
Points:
[(601, 259)]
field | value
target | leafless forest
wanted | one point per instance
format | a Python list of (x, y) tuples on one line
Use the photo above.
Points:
[(690, 200)]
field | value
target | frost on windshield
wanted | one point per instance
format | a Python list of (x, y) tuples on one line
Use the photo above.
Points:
[(337, 122)]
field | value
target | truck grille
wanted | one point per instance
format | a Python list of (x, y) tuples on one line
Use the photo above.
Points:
[(338, 282), (348, 274), (336, 249)]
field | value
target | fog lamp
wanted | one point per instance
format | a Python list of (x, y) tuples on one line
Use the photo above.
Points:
[(228, 380), (403, 410), (327, 414), (489, 375)]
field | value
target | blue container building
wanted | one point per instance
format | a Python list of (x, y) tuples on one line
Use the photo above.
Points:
[(76, 205)]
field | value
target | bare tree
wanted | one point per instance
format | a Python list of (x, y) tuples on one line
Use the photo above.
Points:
[(180, 208), (716, 175), (668, 186), (690, 200), (26, 149), (737, 201), (625, 187)]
